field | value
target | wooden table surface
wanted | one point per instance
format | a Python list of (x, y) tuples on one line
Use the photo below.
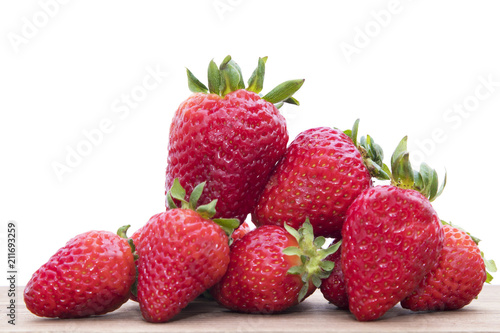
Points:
[(313, 315)]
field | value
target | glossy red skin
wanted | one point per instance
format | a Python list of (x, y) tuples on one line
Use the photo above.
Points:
[(91, 275), (319, 177), (456, 281), (334, 288), (257, 280), (230, 142), (181, 255), (392, 238), (136, 238), (241, 231)]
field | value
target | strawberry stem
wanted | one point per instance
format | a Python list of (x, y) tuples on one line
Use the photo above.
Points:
[(371, 152), (228, 77), (206, 211), (314, 267), (402, 174), (256, 80)]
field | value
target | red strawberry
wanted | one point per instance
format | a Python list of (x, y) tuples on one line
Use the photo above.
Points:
[(392, 238), (266, 274), (136, 238), (333, 287), (181, 254), (319, 177), (457, 279), (231, 137), (91, 275), (242, 230), (137, 235)]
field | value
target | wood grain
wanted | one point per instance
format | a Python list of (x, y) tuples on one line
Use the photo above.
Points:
[(313, 315)]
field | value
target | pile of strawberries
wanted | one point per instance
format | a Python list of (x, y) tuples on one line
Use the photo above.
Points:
[(376, 245)]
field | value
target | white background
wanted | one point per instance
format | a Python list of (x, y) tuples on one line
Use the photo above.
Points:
[(65, 69)]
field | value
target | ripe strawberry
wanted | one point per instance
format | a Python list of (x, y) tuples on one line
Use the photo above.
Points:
[(91, 275), (333, 287), (181, 254), (136, 239), (266, 274), (242, 230), (319, 177), (392, 238), (230, 137), (456, 280)]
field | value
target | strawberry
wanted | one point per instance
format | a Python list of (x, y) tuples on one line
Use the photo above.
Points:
[(242, 230), (273, 268), (91, 275), (456, 280), (181, 254), (136, 239), (319, 177), (391, 239), (228, 136), (333, 287)]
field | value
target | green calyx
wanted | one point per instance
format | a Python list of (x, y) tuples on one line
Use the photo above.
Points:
[(402, 175), (206, 211), (313, 267), (227, 77), (372, 153), (122, 232), (490, 265)]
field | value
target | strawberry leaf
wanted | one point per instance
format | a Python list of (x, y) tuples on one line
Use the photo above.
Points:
[(122, 232), (194, 84), (292, 251), (313, 267), (177, 191), (490, 266), (402, 171), (443, 184), (295, 270), (208, 210), (283, 91), (331, 249), (316, 281), (319, 241), (241, 83), (256, 80), (171, 203), (291, 100), (292, 231), (228, 225), (213, 78), (230, 76), (327, 265), (401, 148), (433, 185), (195, 195), (353, 133), (371, 152), (303, 292)]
